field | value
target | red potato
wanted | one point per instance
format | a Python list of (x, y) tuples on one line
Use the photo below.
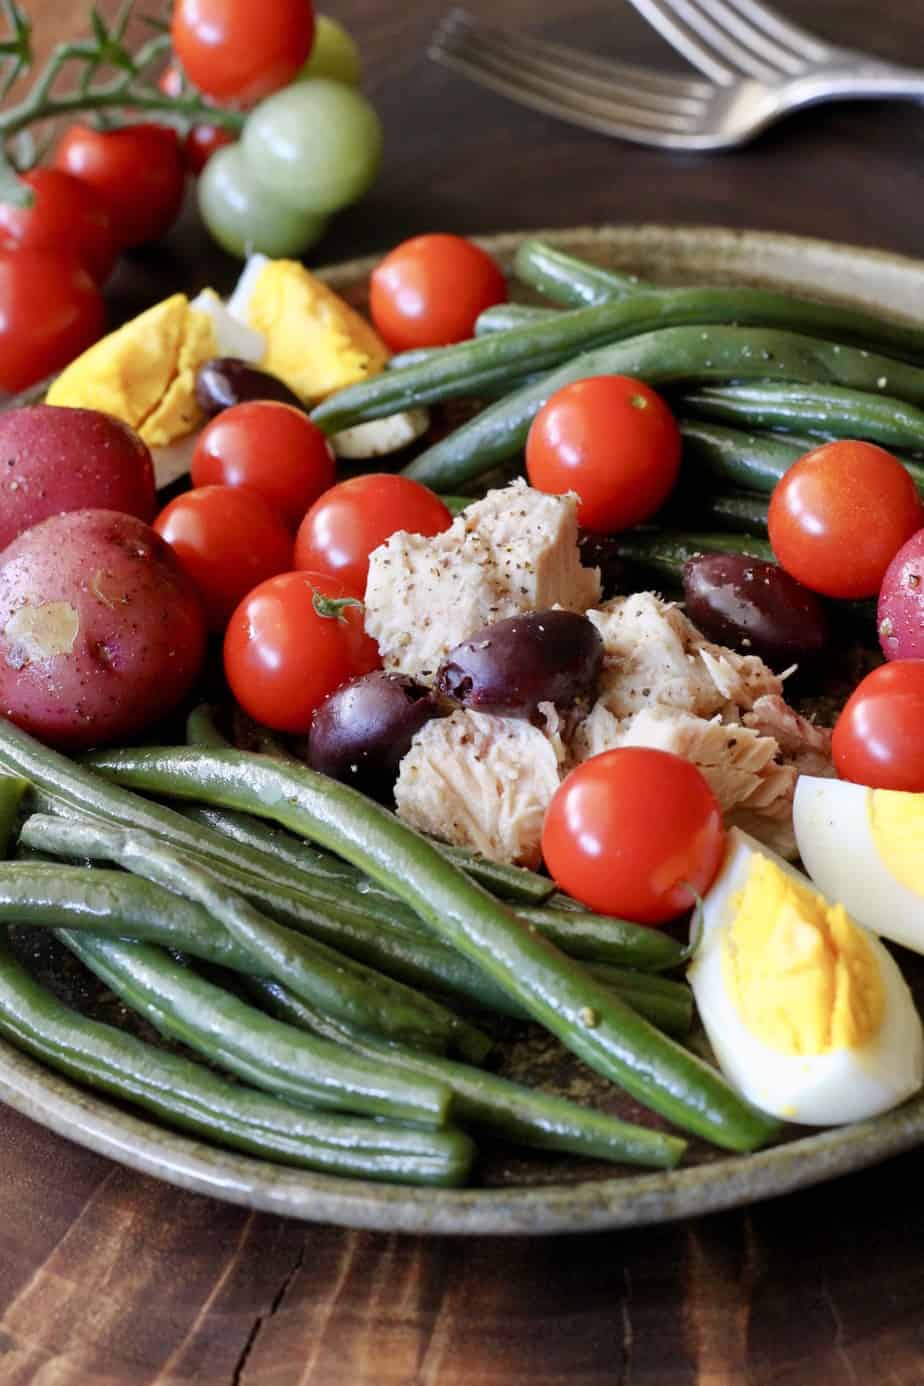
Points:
[(54, 460), (901, 602), (101, 632)]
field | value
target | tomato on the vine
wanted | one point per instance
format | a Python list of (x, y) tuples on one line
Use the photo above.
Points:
[(292, 641), (611, 439), (66, 213), (877, 738), (271, 448), (429, 290), (50, 311), (227, 539), (241, 50), (137, 170), (351, 519), (241, 214), (201, 143), (840, 514), (632, 832)]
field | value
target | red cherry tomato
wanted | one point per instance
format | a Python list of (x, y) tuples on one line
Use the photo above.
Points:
[(241, 50), (137, 170), (613, 441), (631, 830), (839, 516), (227, 539), (66, 214), (200, 144), (287, 649), (270, 447), (429, 290), (50, 311), (877, 738), (350, 520)]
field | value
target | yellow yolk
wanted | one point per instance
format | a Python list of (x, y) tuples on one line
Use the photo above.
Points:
[(799, 971), (145, 372), (896, 823)]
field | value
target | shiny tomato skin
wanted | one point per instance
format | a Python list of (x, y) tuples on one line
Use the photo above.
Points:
[(50, 311), (840, 514), (227, 539), (630, 830), (429, 290), (200, 144), (66, 215), (342, 528), (273, 448), (877, 738), (611, 439), (241, 50), (137, 170), (282, 658)]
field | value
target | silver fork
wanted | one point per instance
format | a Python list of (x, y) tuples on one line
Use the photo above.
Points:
[(648, 107)]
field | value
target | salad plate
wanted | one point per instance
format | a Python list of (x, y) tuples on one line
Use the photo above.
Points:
[(538, 1194)]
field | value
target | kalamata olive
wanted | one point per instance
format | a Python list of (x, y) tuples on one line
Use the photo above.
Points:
[(514, 665), (754, 607), (602, 551), (225, 381), (361, 733)]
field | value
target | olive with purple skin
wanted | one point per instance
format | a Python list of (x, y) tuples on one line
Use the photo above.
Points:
[(754, 607), (514, 665), (225, 381), (361, 733)]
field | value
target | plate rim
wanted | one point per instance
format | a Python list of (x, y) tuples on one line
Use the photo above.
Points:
[(633, 1200)]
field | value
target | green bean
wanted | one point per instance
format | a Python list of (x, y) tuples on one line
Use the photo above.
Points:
[(322, 976), (510, 882), (12, 790), (864, 411), (238, 1038), (568, 280), (503, 316), (662, 553), (604, 938), (414, 356), (672, 356), (754, 461), (456, 504), (523, 1116), (737, 511), (202, 730), (555, 990), (496, 360), (667, 1004), (274, 842), (186, 1095)]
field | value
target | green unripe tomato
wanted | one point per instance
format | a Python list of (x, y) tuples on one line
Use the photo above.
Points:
[(334, 54), (317, 144), (243, 217)]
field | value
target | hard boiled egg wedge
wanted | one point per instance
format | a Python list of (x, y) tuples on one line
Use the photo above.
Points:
[(867, 845), (807, 1013)]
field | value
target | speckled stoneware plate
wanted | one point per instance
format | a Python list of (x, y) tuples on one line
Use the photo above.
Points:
[(535, 1194)]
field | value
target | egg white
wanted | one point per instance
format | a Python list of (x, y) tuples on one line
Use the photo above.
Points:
[(833, 1088), (838, 850)]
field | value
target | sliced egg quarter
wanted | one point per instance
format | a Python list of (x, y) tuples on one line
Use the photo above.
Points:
[(807, 1013)]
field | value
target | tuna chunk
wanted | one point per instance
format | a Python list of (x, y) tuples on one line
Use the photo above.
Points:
[(512, 552), (480, 781), (804, 745)]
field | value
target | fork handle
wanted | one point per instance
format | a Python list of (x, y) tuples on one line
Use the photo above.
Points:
[(865, 82)]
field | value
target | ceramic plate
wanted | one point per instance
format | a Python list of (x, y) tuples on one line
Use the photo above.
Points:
[(537, 1194)]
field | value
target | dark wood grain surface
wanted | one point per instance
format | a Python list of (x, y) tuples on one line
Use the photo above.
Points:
[(107, 1277)]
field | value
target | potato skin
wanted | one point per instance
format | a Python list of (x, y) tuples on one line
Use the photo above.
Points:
[(101, 632), (54, 459)]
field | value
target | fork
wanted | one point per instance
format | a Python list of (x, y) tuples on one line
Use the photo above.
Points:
[(649, 107)]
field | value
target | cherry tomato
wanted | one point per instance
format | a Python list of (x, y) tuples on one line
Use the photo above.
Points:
[(351, 519), (631, 830), (50, 311), (613, 441), (241, 50), (66, 214), (839, 516), (170, 81), (287, 648), (227, 539), (877, 738), (137, 170), (200, 144), (429, 290), (272, 448)]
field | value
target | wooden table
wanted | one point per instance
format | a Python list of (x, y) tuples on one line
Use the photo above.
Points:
[(107, 1277)]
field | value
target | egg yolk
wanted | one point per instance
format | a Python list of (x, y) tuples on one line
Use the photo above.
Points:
[(896, 821), (799, 971)]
